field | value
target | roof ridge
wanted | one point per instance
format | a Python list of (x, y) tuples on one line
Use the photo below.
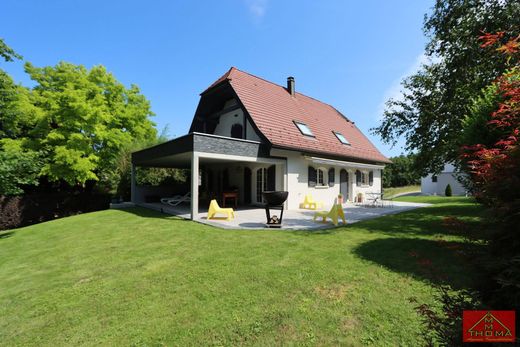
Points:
[(304, 95)]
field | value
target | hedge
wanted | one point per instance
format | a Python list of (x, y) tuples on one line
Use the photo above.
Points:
[(19, 211)]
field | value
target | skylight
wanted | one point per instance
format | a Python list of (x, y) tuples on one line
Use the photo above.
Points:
[(341, 138), (304, 129)]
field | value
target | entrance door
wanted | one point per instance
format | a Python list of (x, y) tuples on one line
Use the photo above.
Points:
[(343, 183), (265, 181), (261, 183), (247, 185)]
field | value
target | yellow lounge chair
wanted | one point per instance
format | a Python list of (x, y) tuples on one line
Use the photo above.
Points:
[(214, 208), (309, 203), (335, 213)]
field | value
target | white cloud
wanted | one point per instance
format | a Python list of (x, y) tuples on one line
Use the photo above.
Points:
[(257, 7), (394, 91)]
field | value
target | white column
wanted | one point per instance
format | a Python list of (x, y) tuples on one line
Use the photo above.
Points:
[(194, 185), (132, 184)]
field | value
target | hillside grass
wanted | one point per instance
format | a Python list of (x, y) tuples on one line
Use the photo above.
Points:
[(137, 277), (389, 193)]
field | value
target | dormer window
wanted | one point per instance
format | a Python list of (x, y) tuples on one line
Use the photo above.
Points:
[(304, 129), (341, 138)]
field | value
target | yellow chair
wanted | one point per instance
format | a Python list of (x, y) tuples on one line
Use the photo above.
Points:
[(309, 203), (214, 208), (335, 213)]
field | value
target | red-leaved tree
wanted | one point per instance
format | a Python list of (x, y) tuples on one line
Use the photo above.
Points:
[(495, 174)]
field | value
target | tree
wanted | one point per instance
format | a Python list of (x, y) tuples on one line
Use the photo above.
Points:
[(437, 98), (494, 168), (401, 172), (18, 168), (80, 121), (7, 52)]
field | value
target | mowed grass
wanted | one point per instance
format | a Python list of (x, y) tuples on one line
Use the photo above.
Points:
[(137, 277), (390, 192)]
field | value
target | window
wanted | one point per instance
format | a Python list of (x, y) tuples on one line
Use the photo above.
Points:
[(364, 178), (321, 177), (434, 179), (261, 183), (304, 129), (341, 138), (236, 131)]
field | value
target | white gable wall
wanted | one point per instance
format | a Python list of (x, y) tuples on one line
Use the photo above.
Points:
[(438, 188), (227, 120)]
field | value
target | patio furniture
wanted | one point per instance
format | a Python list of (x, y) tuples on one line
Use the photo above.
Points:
[(374, 199), (229, 195), (274, 201), (309, 203), (214, 208), (177, 199), (334, 214)]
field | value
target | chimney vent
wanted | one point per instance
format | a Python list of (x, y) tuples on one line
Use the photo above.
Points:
[(290, 85)]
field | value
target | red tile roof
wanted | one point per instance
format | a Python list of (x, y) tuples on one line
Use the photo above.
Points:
[(273, 110)]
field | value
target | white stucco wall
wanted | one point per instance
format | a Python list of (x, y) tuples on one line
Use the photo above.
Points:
[(297, 181), (227, 120), (447, 176)]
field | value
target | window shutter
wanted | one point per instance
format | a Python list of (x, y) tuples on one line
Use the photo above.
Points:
[(358, 178), (331, 177), (312, 177), (371, 178)]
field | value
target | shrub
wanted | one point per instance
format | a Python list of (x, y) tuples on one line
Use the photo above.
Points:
[(447, 191), (22, 210)]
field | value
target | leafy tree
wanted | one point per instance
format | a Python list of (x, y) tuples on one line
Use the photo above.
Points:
[(436, 99), (80, 121), (7, 52), (401, 172), (18, 168)]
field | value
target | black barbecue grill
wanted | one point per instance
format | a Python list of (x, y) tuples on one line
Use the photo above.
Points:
[(274, 201)]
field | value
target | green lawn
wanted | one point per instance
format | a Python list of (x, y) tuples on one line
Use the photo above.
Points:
[(390, 192), (137, 277)]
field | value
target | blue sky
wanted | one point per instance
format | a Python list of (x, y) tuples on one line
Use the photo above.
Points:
[(351, 54)]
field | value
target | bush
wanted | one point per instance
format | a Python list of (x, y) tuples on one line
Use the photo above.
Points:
[(447, 191), (22, 210)]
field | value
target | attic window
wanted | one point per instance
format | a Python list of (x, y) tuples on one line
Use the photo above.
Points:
[(341, 138), (304, 129)]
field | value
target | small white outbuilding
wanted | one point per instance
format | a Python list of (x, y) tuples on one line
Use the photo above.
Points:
[(435, 184)]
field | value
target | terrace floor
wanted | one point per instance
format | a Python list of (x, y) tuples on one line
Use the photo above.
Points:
[(254, 217)]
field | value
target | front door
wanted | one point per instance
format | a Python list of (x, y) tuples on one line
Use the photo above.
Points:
[(343, 183)]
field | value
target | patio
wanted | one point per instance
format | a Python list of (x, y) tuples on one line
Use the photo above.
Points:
[(254, 217)]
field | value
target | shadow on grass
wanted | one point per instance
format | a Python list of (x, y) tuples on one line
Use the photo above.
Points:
[(427, 221), (438, 262), (6, 234), (149, 213)]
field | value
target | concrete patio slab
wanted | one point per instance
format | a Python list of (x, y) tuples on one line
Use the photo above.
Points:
[(254, 218)]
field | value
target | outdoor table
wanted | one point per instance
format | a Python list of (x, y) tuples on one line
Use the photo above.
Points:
[(374, 198), (229, 195)]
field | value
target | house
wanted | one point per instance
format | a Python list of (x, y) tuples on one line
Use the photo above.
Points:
[(435, 184), (249, 135)]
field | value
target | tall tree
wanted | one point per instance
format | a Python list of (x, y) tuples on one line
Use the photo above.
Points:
[(437, 98), (18, 167), (80, 120)]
